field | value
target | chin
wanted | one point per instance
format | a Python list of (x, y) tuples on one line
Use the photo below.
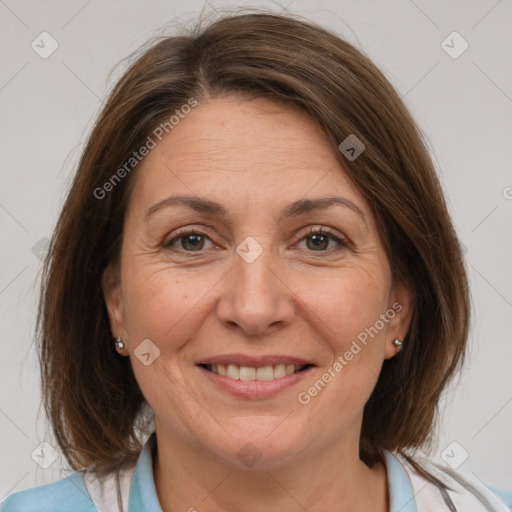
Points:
[(253, 445)]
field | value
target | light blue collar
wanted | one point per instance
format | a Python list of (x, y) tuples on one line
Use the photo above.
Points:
[(401, 494), (143, 494)]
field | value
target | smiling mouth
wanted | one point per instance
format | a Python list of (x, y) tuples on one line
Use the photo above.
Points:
[(247, 373)]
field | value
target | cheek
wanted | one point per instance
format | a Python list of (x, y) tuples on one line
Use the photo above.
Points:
[(346, 312), (166, 309), (347, 305), (162, 306)]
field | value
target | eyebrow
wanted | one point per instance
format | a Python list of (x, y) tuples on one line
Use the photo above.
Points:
[(294, 209)]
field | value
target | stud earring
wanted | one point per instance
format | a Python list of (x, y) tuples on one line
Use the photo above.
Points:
[(119, 343), (397, 344)]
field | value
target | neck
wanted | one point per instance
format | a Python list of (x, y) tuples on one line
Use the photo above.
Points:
[(336, 479)]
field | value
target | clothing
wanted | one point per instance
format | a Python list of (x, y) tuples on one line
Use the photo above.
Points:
[(504, 494), (81, 492)]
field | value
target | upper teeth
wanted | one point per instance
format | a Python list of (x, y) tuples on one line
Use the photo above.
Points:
[(233, 371)]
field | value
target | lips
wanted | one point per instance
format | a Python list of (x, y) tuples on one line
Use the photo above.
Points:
[(254, 361), (254, 377)]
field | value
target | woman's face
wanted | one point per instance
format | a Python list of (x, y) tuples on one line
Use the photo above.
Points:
[(225, 295)]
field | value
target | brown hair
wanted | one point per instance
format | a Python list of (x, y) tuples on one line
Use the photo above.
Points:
[(97, 411)]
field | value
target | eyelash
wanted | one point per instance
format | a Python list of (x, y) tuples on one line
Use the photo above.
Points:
[(311, 231)]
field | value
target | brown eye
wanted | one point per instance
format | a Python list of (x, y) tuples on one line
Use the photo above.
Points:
[(318, 240), (191, 241)]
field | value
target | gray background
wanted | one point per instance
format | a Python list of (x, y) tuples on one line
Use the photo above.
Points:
[(463, 105)]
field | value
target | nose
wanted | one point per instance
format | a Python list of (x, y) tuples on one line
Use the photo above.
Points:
[(255, 299)]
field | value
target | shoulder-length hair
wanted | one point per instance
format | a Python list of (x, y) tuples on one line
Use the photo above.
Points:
[(97, 411)]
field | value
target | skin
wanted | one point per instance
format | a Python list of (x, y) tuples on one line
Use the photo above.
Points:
[(254, 157)]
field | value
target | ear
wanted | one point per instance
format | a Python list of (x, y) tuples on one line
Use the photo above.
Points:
[(401, 301), (111, 286)]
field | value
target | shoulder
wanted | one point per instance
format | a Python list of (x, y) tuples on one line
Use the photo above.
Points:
[(456, 490), (64, 495), (83, 491)]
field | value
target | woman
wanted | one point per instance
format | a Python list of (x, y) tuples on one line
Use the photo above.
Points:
[(254, 296)]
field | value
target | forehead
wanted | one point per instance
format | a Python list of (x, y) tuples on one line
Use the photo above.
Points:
[(233, 147)]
